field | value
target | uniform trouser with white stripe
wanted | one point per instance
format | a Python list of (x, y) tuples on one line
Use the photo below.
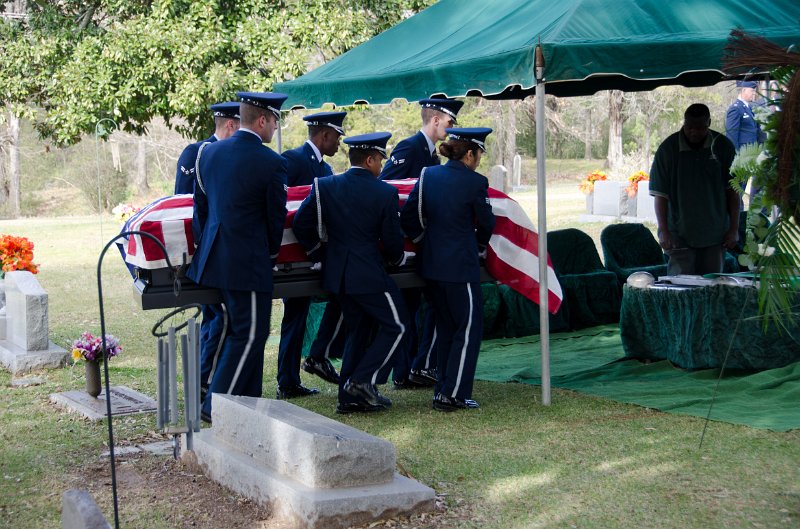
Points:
[(330, 339), (293, 330), (240, 368), (327, 344), (363, 361), (401, 363), (459, 328), (212, 333), (426, 357)]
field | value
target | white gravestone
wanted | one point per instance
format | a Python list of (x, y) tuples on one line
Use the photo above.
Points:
[(609, 198), (27, 345), (645, 203)]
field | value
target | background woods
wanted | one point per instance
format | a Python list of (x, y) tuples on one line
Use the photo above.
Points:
[(112, 91)]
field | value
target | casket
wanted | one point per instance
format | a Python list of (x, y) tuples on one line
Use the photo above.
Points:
[(512, 254)]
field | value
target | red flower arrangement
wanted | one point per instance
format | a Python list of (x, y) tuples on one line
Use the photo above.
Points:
[(16, 253), (634, 180)]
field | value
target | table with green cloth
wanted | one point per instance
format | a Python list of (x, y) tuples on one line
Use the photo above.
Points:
[(694, 327)]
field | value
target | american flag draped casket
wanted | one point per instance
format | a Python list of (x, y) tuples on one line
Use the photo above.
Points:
[(512, 254)]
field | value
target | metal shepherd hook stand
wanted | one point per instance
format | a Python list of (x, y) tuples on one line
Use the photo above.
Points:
[(168, 411)]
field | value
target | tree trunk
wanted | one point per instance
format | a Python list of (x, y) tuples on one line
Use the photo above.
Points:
[(647, 131), (587, 139), (615, 120), (510, 149), (141, 167), (13, 165)]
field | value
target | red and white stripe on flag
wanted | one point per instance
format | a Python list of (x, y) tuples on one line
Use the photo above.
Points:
[(169, 219), (512, 257)]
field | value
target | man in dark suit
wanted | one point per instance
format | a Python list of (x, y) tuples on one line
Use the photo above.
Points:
[(741, 126), (304, 164), (416, 367), (214, 324), (226, 122), (353, 214), (240, 209)]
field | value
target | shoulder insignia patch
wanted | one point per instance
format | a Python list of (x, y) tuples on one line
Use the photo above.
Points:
[(187, 171), (396, 161)]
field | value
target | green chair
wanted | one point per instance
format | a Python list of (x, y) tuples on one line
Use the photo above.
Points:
[(591, 292), (630, 248)]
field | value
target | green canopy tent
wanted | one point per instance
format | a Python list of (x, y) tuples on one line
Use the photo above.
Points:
[(488, 48)]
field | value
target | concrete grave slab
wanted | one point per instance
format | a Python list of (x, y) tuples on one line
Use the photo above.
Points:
[(18, 360), (302, 445), (297, 505), (124, 401)]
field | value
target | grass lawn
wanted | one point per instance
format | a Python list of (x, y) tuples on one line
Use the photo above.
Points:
[(581, 462)]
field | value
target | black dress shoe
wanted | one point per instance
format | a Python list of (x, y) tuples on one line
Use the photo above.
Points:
[(356, 407), (404, 384), (423, 377), (407, 383), (445, 403), (290, 392), (205, 417), (322, 368), (368, 393)]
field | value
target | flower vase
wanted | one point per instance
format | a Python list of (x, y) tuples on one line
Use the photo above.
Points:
[(2, 296), (93, 378), (590, 203)]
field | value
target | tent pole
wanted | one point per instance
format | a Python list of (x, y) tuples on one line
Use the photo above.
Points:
[(544, 316)]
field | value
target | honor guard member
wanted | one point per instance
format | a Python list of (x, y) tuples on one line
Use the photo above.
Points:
[(212, 328), (417, 366), (448, 210), (226, 122), (240, 208), (304, 164), (741, 126), (356, 213)]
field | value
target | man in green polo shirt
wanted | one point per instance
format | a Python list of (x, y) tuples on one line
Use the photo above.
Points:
[(696, 208)]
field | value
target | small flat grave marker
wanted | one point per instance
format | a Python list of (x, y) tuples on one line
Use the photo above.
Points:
[(124, 401)]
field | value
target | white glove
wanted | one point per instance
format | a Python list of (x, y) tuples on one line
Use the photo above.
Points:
[(317, 267), (406, 255), (275, 268), (482, 254)]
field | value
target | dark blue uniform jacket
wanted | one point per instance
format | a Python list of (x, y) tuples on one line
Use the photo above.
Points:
[(184, 176), (408, 158), (358, 210), (741, 126), (241, 214), (457, 217), (303, 166)]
